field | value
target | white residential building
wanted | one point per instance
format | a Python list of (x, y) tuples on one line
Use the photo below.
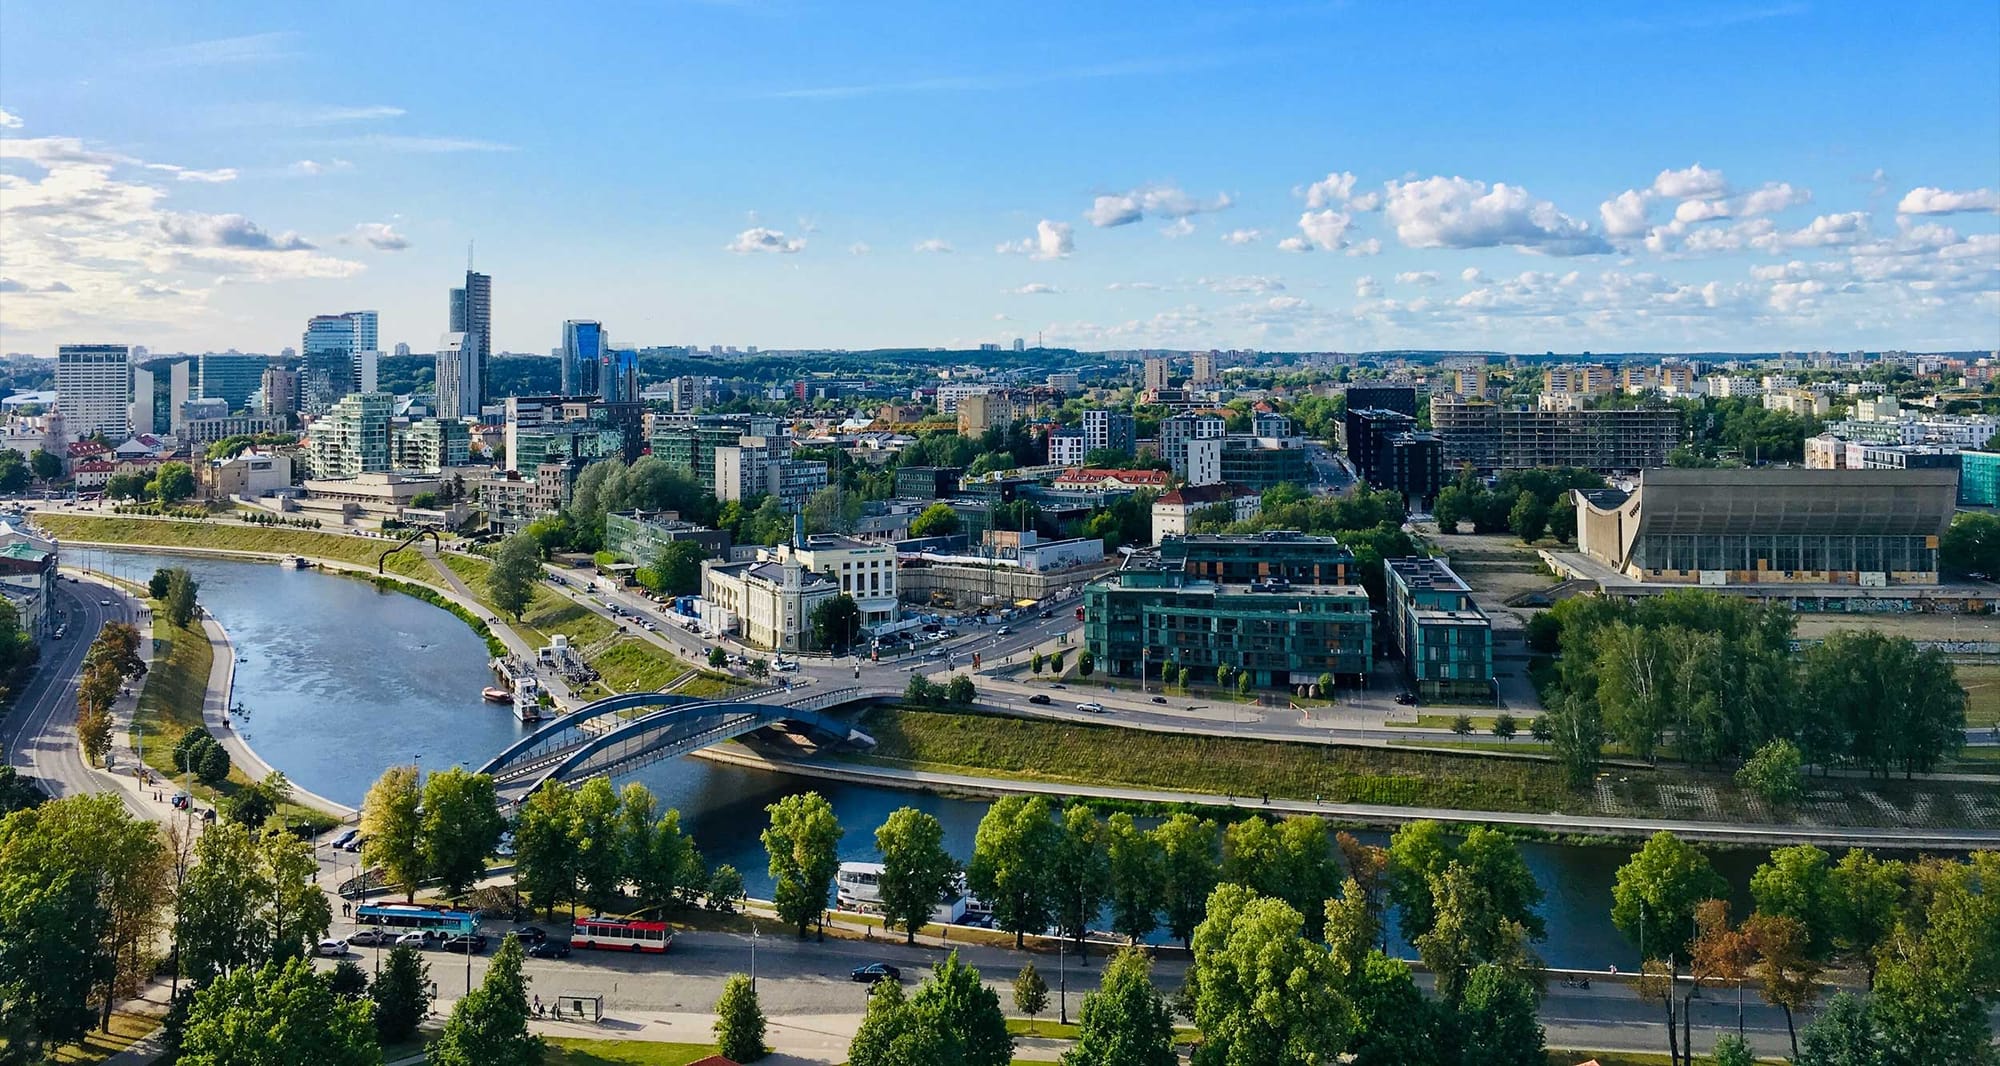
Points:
[(771, 603), (94, 389), (864, 570)]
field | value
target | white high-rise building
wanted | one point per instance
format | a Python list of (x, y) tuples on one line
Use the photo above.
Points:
[(457, 376), (94, 389)]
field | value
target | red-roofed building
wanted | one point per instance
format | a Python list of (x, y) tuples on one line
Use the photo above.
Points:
[(1173, 511), (1088, 479), (84, 449), (92, 473)]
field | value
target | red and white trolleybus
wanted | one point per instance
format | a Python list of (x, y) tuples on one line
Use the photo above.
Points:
[(621, 934)]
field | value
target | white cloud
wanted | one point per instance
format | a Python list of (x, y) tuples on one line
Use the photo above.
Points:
[(1624, 215), (1773, 197), (859, 248), (381, 236), (1242, 236), (304, 115), (1159, 201), (1417, 277), (1295, 244), (1052, 240), (1930, 200), (312, 168), (1135, 286), (1251, 283), (763, 239), (206, 177), (1181, 227), (391, 142), (228, 231), (1366, 287), (1695, 182), (1472, 276), (1036, 288), (1326, 229), (1371, 246), (1441, 212), (9, 120), (1337, 190), (933, 246)]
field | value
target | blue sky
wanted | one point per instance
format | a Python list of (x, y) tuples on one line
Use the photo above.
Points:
[(1341, 176)]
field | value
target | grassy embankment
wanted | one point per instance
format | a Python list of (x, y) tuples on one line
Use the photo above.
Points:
[(575, 1051), (1042, 750), (1481, 723), (170, 704), (234, 536), (1982, 695), (626, 664)]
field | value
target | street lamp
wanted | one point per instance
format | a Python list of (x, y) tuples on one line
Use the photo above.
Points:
[(753, 958), (1062, 980)]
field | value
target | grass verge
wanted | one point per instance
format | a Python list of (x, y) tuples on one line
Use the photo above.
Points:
[(575, 1051), (163, 533), (1043, 750), (1481, 723), (1982, 694), (127, 1029)]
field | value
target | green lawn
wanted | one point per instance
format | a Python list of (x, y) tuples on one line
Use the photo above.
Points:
[(127, 1027), (1481, 723), (634, 665), (1982, 694), (1044, 750), (233, 535), (573, 1051)]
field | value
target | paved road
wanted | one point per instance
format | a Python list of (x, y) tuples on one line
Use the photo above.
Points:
[(39, 734)]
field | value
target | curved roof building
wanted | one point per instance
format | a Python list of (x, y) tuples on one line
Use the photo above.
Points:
[(1773, 525)]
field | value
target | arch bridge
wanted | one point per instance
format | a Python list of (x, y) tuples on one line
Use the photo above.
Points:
[(607, 737)]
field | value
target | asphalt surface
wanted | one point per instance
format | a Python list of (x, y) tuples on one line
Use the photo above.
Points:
[(39, 735)]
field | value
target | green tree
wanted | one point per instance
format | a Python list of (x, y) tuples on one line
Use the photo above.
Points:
[(1462, 725), (739, 1021), (489, 1027), (1135, 880), (402, 994), (283, 1013), (717, 658), (836, 624), (725, 889), (895, 1033), (1036, 662), (157, 585), (1125, 1021), (1263, 994), (803, 843), (1866, 897), (1971, 544), (1086, 663), (212, 768), (392, 833), (1351, 927), (45, 465), (1419, 852), (1654, 896), (298, 914), (960, 692), (1394, 1024), (1504, 726), (1079, 869), (954, 1001), (545, 847), (180, 601), (516, 568), (1529, 519), (1774, 773), (916, 870), (459, 828), (1189, 870), (679, 567), (1031, 993), (1878, 702), (1788, 977), (49, 929), (217, 897), (661, 861), (1842, 1035), (1011, 868), (937, 520), (1797, 883), (348, 979), (175, 481), (1497, 1019), (600, 849)]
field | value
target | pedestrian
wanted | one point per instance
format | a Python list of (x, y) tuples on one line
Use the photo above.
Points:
[(558, 1010), (538, 1005)]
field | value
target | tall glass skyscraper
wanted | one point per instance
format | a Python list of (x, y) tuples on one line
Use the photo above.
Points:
[(339, 353), (472, 315), (583, 343)]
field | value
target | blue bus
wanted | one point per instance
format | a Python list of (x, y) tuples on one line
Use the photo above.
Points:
[(405, 918)]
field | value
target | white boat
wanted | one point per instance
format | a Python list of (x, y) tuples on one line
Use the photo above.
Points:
[(527, 699), (857, 886)]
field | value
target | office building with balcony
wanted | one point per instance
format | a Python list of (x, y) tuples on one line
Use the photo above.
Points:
[(1490, 437), (429, 445), (353, 438), (1443, 638), (1177, 433), (640, 536), (1150, 614)]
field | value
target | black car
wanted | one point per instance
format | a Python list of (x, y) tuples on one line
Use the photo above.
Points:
[(472, 943), (876, 971), (1406, 698), (531, 934), (549, 949), (1039, 697), (1048, 614)]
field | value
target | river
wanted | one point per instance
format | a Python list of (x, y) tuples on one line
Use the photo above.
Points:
[(339, 681)]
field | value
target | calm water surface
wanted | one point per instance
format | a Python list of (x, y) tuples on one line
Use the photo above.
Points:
[(339, 681)]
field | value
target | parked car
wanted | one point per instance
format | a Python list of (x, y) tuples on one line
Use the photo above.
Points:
[(1005, 631), (549, 949), (415, 939), (1406, 698), (333, 947), (1048, 614), (1039, 697), (1093, 707), (531, 934), (370, 937), (474, 943), (876, 971), (346, 838), (1159, 699)]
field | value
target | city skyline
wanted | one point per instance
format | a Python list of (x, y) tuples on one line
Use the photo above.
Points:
[(788, 176)]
